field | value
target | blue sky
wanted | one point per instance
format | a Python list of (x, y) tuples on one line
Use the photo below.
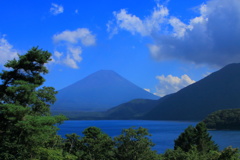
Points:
[(161, 46)]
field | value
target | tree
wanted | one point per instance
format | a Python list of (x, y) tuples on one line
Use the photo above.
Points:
[(134, 144), (96, 145), (72, 143), (196, 136), (192, 154), (26, 125), (229, 153)]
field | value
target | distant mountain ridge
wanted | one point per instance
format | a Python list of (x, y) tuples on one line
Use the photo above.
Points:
[(131, 110), (98, 92), (220, 90)]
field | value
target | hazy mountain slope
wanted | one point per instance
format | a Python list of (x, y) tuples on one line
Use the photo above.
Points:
[(98, 92), (220, 90), (131, 110)]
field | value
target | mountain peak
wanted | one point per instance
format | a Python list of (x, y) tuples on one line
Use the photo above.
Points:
[(99, 91), (105, 71), (103, 74), (234, 67)]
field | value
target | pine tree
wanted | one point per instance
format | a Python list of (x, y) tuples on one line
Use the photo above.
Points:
[(26, 126), (196, 137)]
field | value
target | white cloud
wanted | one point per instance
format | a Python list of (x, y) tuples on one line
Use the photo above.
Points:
[(76, 52), (179, 28), (130, 22), (154, 49), (135, 25), (171, 84), (71, 59), (146, 89), (76, 11), (6, 51), (210, 38), (70, 62), (82, 35), (72, 43), (111, 29), (56, 9), (57, 54)]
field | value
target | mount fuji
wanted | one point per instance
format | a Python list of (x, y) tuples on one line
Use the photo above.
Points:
[(99, 91)]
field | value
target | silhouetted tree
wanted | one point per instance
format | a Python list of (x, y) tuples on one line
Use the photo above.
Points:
[(26, 125), (196, 136)]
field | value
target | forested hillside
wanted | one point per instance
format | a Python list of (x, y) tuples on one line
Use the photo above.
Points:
[(224, 120), (131, 110), (220, 90)]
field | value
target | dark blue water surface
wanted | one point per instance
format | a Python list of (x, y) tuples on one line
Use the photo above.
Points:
[(163, 132)]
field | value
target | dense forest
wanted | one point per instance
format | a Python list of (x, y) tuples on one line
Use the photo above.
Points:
[(228, 119), (28, 131)]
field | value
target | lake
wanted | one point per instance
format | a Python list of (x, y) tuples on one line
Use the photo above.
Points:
[(163, 132)]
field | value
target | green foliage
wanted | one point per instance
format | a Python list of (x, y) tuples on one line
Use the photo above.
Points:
[(192, 154), (224, 119), (26, 125), (96, 145), (72, 144), (134, 144), (196, 137), (229, 153), (50, 154)]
